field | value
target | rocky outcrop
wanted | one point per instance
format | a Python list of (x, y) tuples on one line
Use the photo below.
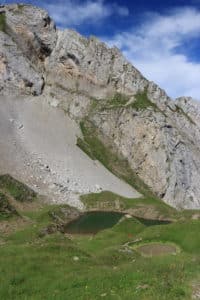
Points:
[(158, 136), (158, 141), (163, 157), (93, 66), (16, 73), (6, 209), (27, 38)]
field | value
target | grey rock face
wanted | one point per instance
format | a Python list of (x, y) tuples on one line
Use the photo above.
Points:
[(32, 29), (16, 73), (29, 36), (158, 143), (161, 141), (157, 151), (92, 67), (191, 108)]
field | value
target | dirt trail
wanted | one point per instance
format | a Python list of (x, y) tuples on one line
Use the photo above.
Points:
[(38, 146)]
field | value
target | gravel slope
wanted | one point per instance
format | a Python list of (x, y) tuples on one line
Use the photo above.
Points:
[(38, 146)]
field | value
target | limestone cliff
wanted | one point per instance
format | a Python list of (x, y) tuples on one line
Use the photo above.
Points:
[(159, 137)]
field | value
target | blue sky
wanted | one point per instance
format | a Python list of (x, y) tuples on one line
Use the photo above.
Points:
[(160, 38)]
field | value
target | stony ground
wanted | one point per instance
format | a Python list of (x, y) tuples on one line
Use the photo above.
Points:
[(38, 146)]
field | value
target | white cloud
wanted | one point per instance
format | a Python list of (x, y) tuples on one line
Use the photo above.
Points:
[(72, 13), (153, 49)]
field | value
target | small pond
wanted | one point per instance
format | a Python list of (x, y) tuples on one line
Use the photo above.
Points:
[(93, 222), (150, 222)]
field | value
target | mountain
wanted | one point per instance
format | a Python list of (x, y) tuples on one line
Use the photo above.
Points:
[(52, 81)]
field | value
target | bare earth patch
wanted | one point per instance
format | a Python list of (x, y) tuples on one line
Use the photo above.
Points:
[(156, 249)]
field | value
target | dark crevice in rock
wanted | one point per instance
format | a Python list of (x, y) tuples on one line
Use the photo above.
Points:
[(43, 85), (27, 83), (44, 50), (73, 57), (47, 21)]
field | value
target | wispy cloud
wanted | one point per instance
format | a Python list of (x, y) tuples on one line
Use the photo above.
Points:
[(72, 13), (155, 47)]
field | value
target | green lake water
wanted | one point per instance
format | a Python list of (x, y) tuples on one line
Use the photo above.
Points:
[(93, 222), (150, 222)]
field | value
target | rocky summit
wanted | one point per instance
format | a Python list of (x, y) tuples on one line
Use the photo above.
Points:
[(52, 81)]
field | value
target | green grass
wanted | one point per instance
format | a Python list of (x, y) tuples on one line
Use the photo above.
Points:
[(109, 201), (16, 189), (44, 268), (63, 213), (118, 100), (142, 102), (2, 22), (85, 147), (183, 233)]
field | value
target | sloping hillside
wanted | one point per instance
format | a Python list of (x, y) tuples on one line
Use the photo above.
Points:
[(52, 81)]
